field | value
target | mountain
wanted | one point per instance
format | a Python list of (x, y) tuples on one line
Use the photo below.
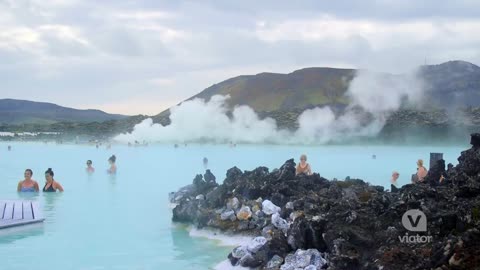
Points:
[(14, 112), (298, 90), (452, 83), (285, 96)]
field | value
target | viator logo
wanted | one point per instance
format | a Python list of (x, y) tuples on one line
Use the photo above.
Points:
[(415, 220)]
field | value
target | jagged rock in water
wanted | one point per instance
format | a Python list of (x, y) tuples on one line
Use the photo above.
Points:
[(275, 262), (239, 252), (233, 175), (216, 197), (289, 205), (233, 203), (294, 215), (475, 140), (304, 258), (353, 224), (184, 192), (228, 215), (279, 222), (244, 213), (287, 171), (269, 208), (306, 234), (201, 186), (267, 232), (186, 211), (209, 177), (249, 261), (277, 243), (256, 244), (435, 173)]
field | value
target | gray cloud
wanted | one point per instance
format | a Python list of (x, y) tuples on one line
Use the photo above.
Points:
[(157, 53)]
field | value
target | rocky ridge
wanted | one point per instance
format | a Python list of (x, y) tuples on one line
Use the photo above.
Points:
[(309, 222)]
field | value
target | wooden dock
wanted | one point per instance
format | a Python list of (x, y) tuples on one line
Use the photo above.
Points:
[(17, 213)]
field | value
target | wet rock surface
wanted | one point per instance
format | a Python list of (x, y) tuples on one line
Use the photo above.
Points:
[(309, 222)]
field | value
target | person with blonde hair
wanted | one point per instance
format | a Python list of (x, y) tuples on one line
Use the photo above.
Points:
[(393, 181), (303, 166), (421, 171)]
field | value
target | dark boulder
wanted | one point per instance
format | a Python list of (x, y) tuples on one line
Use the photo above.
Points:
[(209, 177), (355, 225)]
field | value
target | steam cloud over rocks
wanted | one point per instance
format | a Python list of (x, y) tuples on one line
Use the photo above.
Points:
[(373, 97)]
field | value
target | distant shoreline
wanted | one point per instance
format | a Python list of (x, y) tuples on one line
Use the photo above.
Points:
[(181, 144)]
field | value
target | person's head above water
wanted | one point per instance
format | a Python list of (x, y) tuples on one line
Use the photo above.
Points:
[(395, 175), (28, 174), (49, 174), (420, 163), (89, 162), (112, 159)]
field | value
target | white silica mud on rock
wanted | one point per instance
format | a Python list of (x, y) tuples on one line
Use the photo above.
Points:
[(269, 208), (317, 223), (310, 259)]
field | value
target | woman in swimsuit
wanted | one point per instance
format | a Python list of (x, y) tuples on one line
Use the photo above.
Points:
[(28, 185), (51, 185), (303, 166), (89, 168), (421, 171), (113, 167)]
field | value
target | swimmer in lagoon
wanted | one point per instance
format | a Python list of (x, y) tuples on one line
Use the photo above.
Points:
[(51, 185), (393, 182), (90, 168), (303, 166), (205, 162), (113, 167), (28, 184)]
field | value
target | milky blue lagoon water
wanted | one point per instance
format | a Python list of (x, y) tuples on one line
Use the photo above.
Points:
[(124, 222)]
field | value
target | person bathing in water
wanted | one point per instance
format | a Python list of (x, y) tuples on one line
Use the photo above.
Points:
[(28, 184), (89, 168), (421, 171), (51, 185), (303, 166), (205, 162), (393, 181), (113, 167)]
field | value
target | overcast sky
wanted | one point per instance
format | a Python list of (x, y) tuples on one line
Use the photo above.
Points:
[(135, 57)]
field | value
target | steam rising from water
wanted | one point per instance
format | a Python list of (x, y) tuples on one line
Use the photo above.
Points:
[(373, 97)]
